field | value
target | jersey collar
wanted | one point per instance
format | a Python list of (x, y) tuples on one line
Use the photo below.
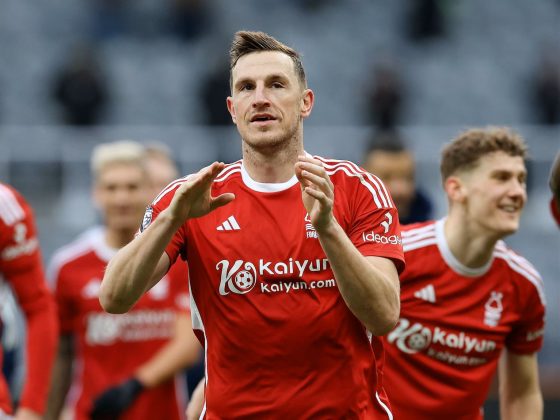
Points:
[(450, 259), (263, 186), (99, 244)]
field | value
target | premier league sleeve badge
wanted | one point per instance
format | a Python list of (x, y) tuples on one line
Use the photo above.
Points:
[(147, 218)]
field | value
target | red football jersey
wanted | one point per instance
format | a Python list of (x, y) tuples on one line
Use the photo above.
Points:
[(454, 323), (110, 348), (280, 342), (21, 267)]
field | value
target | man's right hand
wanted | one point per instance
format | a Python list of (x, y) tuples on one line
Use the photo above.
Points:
[(193, 198)]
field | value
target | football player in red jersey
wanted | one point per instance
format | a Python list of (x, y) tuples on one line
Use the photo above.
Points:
[(293, 259), (21, 267), (123, 366), (469, 304)]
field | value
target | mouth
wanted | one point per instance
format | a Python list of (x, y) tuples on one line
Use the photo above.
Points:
[(510, 208), (262, 118)]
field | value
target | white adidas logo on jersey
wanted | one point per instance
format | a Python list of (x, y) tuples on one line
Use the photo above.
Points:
[(229, 224), (427, 293)]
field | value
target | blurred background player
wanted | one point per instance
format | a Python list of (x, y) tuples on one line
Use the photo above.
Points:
[(123, 366), (389, 159), (466, 298), (22, 269)]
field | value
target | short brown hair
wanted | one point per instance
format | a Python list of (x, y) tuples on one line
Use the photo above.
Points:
[(464, 151), (246, 42)]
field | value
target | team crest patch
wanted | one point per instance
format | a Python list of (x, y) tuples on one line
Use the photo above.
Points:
[(147, 218)]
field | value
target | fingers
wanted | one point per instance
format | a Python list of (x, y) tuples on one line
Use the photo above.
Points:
[(317, 182), (209, 173), (221, 200), (311, 174), (203, 178)]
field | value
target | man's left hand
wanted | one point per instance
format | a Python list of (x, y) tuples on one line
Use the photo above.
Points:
[(317, 191)]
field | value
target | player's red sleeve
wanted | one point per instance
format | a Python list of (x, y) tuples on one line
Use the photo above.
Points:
[(42, 334), (527, 335), (20, 265), (160, 203), (375, 228)]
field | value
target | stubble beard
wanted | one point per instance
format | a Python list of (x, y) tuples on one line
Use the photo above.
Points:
[(272, 145)]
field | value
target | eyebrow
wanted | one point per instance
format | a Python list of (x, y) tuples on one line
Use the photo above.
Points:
[(269, 78), (509, 171)]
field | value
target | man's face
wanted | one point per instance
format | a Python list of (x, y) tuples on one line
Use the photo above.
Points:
[(267, 103), (396, 170), (495, 193), (122, 192)]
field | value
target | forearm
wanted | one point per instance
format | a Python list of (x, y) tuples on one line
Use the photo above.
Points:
[(61, 378), (180, 352), (42, 336), (132, 270), (528, 406), (371, 294), (520, 392)]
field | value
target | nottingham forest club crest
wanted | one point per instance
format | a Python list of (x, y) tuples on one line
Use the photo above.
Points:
[(310, 231), (147, 218)]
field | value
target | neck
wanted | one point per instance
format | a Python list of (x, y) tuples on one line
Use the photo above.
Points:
[(273, 164), (467, 241), (118, 238)]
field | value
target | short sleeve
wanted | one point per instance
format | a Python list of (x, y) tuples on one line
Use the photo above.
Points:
[(527, 334), (177, 244), (19, 246), (375, 228)]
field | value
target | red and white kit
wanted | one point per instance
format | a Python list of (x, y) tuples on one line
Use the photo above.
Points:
[(110, 348), (22, 269), (454, 323), (280, 342)]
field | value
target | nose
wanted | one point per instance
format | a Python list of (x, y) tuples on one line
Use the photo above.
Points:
[(518, 189), (260, 98)]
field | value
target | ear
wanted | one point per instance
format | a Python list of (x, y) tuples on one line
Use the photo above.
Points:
[(231, 108), (456, 189), (308, 99)]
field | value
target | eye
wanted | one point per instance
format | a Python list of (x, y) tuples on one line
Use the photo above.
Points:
[(501, 176), (277, 85), (245, 86)]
